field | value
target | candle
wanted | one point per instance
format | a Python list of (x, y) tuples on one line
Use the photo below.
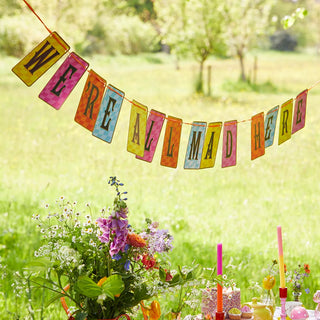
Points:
[(219, 272), (281, 264)]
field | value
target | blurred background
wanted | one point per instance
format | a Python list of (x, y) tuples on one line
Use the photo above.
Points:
[(204, 60)]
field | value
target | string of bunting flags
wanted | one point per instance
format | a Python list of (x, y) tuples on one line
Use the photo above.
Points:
[(100, 104)]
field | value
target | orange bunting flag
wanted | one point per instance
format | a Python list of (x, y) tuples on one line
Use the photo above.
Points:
[(90, 101), (299, 117), (40, 59), (229, 147), (210, 146), (257, 136), (171, 143), (285, 121), (137, 128)]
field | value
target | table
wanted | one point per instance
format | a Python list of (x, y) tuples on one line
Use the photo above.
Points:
[(278, 311)]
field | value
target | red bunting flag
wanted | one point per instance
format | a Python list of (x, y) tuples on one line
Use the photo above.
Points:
[(90, 101), (171, 143)]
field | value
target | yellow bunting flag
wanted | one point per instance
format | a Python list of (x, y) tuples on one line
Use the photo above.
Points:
[(90, 101), (171, 143), (40, 59), (210, 146), (137, 128), (285, 121), (257, 136)]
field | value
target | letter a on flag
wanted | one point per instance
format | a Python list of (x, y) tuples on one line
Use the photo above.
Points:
[(195, 145), (285, 121), (64, 80), (229, 148), (40, 59), (90, 101), (137, 128), (108, 114), (299, 116), (257, 136), (171, 143), (211, 145), (154, 126)]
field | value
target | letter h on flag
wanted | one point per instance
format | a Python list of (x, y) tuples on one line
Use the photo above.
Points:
[(257, 136)]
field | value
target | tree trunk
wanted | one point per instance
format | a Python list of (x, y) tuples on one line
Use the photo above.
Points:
[(199, 83), (241, 60)]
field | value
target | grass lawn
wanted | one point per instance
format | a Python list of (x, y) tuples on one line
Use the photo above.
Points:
[(44, 154)]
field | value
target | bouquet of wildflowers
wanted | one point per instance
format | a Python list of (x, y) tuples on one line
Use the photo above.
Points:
[(102, 267), (296, 278)]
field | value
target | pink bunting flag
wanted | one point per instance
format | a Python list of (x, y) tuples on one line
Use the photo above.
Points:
[(154, 126), (299, 116), (64, 80), (229, 148)]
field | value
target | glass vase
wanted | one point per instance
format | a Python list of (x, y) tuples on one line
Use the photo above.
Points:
[(296, 296), (269, 300)]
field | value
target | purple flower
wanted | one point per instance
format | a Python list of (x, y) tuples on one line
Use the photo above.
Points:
[(127, 265)]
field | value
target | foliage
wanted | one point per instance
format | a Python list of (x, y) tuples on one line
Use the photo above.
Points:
[(192, 27), (288, 21), (246, 21), (104, 267), (132, 36)]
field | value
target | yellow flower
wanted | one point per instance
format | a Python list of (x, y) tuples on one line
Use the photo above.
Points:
[(268, 282)]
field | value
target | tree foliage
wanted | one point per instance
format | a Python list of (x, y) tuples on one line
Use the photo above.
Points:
[(246, 21), (192, 26)]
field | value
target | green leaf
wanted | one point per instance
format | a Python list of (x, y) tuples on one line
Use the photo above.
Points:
[(54, 298), (40, 264), (88, 287), (41, 281), (162, 274), (81, 316), (114, 285)]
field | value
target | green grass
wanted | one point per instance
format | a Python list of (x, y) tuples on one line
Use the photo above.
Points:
[(45, 154)]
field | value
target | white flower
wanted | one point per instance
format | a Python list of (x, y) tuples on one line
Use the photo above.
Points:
[(92, 243), (90, 231)]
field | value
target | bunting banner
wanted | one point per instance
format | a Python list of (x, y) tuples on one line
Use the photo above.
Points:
[(154, 126), (40, 59), (109, 113), (63, 81), (210, 147), (195, 145), (285, 121), (171, 144), (299, 116), (229, 147), (90, 101), (270, 126), (257, 136), (99, 110), (137, 128)]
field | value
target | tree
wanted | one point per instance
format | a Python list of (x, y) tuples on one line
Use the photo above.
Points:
[(192, 26), (245, 21)]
